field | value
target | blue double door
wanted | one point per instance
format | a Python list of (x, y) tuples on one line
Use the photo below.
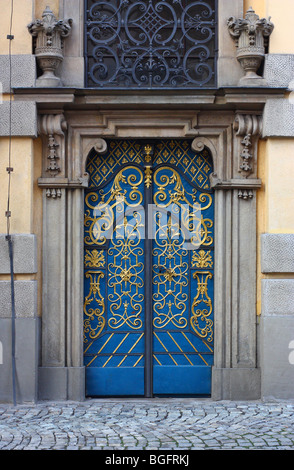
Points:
[(148, 279)]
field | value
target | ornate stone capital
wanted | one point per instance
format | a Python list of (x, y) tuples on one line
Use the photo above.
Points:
[(250, 35), (50, 34)]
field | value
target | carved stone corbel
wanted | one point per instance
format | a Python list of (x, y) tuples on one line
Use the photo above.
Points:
[(248, 127), (52, 128), (243, 177)]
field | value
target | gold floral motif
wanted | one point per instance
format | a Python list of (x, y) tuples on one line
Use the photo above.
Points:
[(202, 259), (125, 275), (200, 321), (148, 150), (94, 259), (94, 321), (148, 176)]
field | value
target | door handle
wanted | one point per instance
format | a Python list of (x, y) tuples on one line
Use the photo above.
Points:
[(169, 273), (161, 269)]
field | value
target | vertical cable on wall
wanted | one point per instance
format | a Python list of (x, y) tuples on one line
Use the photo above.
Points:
[(9, 169)]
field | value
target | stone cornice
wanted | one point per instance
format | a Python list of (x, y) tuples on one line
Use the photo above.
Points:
[(81, 98)]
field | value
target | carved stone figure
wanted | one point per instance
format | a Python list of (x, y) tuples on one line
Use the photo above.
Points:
[(49, 33), (250, 35)]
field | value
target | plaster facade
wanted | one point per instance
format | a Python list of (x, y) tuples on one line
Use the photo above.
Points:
[(254, 216)]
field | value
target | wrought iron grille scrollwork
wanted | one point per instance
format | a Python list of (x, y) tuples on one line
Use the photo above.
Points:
[(150, 44)]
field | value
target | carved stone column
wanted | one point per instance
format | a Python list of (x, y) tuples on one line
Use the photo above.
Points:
[(250, 35), (50, 34), (61, 375), (235, 375), (75, 275), (52, 373)]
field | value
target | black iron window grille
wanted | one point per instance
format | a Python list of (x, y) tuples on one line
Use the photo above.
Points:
[(150, 44)]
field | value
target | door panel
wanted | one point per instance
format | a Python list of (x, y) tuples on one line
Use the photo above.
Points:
[(182, 297), (114, 314), (148, 311)]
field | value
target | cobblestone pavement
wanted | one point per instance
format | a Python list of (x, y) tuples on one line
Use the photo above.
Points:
[(148, 424)]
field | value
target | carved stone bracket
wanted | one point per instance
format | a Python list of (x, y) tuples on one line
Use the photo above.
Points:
[(53, 127), (247, 126)]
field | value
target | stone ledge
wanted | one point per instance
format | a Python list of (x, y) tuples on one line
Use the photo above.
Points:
[(277, 253), (24, 254), (277, 297), (25, 299)]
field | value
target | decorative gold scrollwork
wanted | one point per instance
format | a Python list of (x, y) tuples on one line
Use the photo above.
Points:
[(200, 321), (94, 297), (97, 227), (170, 276), (126, 255), (115, 281), (126, 283), (103, 206), (171, 193)]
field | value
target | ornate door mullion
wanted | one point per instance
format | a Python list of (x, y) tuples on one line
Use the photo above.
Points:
[(148, 155)]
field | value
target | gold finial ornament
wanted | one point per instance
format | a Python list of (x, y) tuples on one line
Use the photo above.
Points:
[(148, 151)]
